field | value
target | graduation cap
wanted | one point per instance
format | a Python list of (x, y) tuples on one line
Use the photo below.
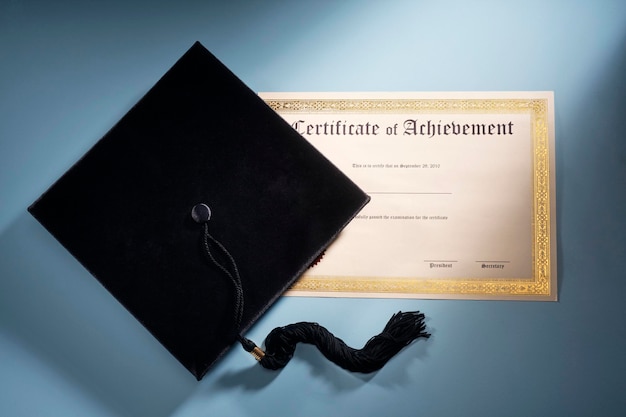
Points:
[(199, 208)]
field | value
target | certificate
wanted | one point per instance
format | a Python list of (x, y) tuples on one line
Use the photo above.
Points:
[(462, 193)]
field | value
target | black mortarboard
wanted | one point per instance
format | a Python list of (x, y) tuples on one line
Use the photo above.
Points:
[(132, 210)]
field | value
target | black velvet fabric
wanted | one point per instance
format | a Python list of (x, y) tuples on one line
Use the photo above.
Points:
[(199, 135)]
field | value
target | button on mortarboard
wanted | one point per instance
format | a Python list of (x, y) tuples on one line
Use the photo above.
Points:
[(201, 213)]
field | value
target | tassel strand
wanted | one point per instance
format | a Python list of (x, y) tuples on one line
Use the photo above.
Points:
[(400, 331)]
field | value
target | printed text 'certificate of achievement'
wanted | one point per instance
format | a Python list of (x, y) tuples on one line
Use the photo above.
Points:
[(462, 188)]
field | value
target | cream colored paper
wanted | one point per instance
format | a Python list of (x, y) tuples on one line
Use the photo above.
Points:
[(462, 188)]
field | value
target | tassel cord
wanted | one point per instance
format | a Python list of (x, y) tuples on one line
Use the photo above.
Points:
[(235, 279), (234, 276)]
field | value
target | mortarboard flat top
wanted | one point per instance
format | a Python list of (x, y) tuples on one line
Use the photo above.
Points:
[(199, 135)]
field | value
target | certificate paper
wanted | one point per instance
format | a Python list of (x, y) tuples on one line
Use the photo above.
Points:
[(462, 188)]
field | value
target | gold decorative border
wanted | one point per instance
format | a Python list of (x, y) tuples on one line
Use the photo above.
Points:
[(538, 286)]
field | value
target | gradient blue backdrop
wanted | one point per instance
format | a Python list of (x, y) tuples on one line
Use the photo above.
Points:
[(70, 69)]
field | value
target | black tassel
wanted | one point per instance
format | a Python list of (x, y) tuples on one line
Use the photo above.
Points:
[(281, 343)]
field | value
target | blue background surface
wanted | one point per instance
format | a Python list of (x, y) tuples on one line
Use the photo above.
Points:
[(70, 69)]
